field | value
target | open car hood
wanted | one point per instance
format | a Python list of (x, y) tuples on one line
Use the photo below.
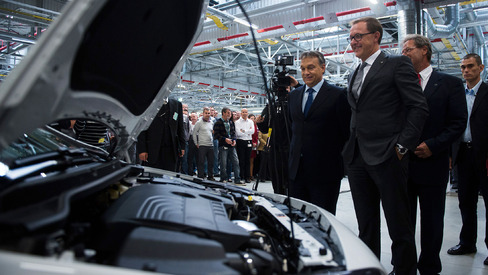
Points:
[(112, 61)]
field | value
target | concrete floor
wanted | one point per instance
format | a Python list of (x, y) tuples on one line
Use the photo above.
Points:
[(451, 265)]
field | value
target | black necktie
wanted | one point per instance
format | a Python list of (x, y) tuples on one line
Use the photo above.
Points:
[(309, 101), (358, 80)]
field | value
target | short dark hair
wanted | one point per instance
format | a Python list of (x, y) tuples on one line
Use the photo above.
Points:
[(316, 54), (372, 24), (225, 109), (420, 41), (475, 56)]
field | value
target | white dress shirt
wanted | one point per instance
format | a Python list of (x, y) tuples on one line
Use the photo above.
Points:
[(425, 76), (470, 101), (370, 62), (316, 91), (244, 129)]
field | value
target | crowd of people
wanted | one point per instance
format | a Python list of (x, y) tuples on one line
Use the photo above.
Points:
[(397, 129), (205, 144)]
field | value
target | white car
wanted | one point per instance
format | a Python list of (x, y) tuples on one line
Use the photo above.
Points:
[(67, 207)]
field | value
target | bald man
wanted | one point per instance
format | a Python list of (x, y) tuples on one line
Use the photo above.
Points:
[(244, 131)]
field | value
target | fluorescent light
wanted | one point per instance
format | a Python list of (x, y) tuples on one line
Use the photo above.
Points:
[(245, 23), (22, 40), (3, 169)]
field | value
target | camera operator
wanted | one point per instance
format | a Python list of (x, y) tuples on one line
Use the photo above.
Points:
[(276, 118)]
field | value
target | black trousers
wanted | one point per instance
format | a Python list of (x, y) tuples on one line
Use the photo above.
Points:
[(315, 188), (205, 153), (244, 148), (472, 180), (385, 183), (192, 157), (427, 183)]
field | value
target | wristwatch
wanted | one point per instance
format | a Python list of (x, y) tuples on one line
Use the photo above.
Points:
[(401, 150)]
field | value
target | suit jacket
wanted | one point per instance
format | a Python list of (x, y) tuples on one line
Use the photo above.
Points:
[(320, 136), (446, 123), (220, 133), (478, 121), (186, 128), (150, 140), (391, 109)]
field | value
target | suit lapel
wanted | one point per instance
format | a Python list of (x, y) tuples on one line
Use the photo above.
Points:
[(375, 68), (482, 91), (299, 101), (319, 99), (350, 95), (433, 84)]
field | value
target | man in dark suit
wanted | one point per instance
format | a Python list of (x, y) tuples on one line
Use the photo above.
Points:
[(388, 112), (183, 161), (429, 163), (472, 156), (164, 141), (319, 116)]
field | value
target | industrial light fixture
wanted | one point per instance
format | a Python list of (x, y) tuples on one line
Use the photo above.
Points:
[(245, 23), (230, 17), (23, 40)]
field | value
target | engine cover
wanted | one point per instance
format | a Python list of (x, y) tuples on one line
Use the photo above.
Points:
[(176, 208)]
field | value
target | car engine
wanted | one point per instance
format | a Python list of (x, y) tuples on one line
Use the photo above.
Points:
[(163, 223)]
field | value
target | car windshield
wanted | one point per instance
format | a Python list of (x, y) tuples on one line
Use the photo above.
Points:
[(50, 139), (38, 142)]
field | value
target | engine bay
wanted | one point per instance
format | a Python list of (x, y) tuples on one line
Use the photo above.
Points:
[(168, 224)]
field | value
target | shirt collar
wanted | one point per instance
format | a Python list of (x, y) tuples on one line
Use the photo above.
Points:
[(317, 87), (476, 87), (373, 57), (425, 73)]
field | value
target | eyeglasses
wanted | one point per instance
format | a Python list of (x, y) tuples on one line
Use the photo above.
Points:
[(358, 36), (407, 50)]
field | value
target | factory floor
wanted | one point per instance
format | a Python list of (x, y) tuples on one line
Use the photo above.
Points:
[(471, 264)]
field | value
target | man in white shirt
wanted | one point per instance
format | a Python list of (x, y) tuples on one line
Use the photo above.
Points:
[(472, 157), (203, 138), (244, 131)]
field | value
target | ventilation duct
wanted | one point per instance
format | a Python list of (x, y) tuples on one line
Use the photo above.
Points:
[(480, 39), (443, 31), (406, 19)]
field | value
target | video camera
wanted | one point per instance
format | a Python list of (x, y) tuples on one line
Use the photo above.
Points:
[(281, 80), (283, 60)]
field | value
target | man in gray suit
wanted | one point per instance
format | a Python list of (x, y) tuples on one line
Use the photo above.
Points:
[(388, 113)]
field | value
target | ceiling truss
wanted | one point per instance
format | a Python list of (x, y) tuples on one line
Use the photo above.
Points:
[(223, 69)]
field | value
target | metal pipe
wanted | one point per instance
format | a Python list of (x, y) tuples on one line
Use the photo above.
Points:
[(406, 18), (480, 39), (443, 31)]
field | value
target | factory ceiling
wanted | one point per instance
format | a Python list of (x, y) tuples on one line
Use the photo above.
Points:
[(223, 69)]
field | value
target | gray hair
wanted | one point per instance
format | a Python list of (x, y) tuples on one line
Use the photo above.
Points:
[(420, 41)]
